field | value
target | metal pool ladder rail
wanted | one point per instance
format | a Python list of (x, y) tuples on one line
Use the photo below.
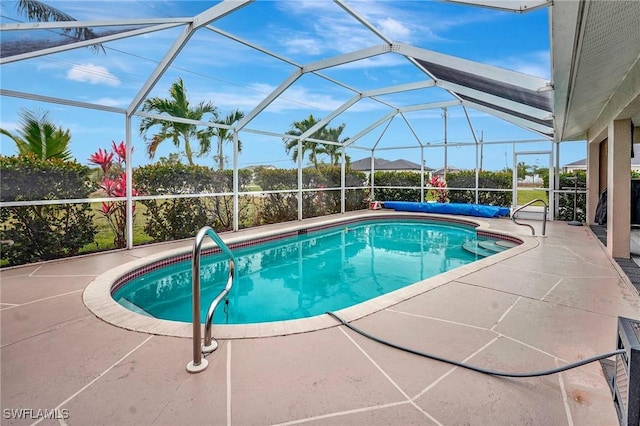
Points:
[(200, 364), (544, 215)]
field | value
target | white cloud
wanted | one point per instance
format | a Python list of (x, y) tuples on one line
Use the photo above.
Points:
[(535, 64), (111, 102), (10, 125), (293, 99), (304, 44), (93, 74), (395, 30)]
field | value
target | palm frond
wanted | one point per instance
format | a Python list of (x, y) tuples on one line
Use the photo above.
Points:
[(39, 136), (37, 11)]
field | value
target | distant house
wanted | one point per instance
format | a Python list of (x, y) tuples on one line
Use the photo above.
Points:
[(582, 164), (261, 166), (450, 169), (254, 168), (382, 165)]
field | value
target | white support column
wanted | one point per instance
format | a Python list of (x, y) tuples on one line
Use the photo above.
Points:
[(128, 167), (343, 180), (619, 189), (477, 171), (300, 154), (236, 186), (372, 175), (422, 174), (593, 180)]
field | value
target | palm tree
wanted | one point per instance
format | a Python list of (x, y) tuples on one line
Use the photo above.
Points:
[(177, 106), (41, 12), (297, 129), (224, 135), (333, 151), (41, 137)]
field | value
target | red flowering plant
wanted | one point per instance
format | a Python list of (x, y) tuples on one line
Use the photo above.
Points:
[(438, 189), (114, 184)]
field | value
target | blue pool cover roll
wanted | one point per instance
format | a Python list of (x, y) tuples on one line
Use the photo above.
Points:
[(477, 210)]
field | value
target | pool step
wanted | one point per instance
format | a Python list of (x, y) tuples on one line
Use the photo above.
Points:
[(492, 246), (474, 248), (506, 244)]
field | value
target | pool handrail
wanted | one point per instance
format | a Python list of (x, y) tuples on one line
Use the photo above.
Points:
[(199, 364), (544, 216)]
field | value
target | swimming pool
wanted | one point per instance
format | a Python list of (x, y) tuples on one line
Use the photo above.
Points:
[(97, 296), (307, 273)]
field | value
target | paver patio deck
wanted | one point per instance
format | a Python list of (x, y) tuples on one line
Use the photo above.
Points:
[(553, 304)]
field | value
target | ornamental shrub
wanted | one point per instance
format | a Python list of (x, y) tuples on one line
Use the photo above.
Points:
[(565, 200), (44, 232), (277, 207), (114, 184), (438, 189), (486, 179), (178, 218), (391, 179), (283, 207)]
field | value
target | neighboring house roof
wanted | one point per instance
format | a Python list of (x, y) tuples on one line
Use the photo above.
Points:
[(449, 169), (261, 166), (635, 160), (579, 163), (389, 165)]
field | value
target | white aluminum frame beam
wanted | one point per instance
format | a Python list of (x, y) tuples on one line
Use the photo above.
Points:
[(251, 45), (362, 20), (22, 26), (60, 101), (310, 68), (200, 20), (372, 126), (270, 98), (330, 117), (519, 6), (411, 129), (433, 105), (276, 56), (496, 100), (483, 70), (520, 122), (346, 58), (370, 94), (85, 43), (375, 145), (399, 88)]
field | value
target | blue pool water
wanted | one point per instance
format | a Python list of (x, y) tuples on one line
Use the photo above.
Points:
[(306, 275)]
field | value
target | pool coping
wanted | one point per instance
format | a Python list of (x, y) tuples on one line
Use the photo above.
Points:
[(97, 295)]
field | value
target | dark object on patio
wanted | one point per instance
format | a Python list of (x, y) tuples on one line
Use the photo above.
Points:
[(625, 384), (601, 209)]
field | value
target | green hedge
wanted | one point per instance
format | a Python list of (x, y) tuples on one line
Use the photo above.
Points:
[(565, 201), (44, 232), (461, 179), (178, 218), (407, 179), (486, 179), (283, 207)]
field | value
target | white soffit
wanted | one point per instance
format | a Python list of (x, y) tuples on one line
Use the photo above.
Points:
[(605, 50), (508, 5)]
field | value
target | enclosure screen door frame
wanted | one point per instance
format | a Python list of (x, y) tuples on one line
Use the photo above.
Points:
[(550, 191)]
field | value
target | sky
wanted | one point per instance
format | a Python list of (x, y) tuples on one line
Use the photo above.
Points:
[(233, 76)]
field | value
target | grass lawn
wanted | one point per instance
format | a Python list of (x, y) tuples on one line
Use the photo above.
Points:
[(524, 196), (104, 238)]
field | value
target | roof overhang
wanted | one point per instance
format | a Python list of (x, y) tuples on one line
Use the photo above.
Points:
[(595, 66), (520, 99)]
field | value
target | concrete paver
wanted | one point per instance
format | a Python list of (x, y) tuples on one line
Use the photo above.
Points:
[(557, 302)]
